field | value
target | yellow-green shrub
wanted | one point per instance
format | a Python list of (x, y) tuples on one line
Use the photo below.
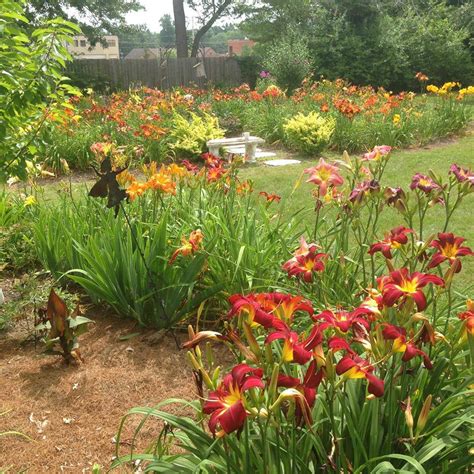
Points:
[(308, 133), (188, 136)]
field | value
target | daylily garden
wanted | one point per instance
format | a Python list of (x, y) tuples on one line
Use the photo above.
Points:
[(324, 309)]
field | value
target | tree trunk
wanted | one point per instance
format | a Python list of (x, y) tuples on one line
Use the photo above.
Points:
[(180, 27), (207, 26)]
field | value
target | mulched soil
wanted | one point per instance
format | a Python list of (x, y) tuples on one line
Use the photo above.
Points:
[(72, 413)]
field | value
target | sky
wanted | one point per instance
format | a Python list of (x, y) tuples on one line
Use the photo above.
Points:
[(153, 11)]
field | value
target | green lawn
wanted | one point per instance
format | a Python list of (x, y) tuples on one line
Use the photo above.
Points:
[(402, 166)]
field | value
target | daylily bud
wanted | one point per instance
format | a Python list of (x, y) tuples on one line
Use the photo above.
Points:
[(272, 389), (409, 417), (215, 375), (450, 272), (423, 417), (268, 353), (209, 354), (191, 332), (192, 360), (254, 347), (200, 368), (319, 357)]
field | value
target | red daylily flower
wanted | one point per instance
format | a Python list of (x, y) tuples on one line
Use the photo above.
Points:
[(250, 305), (215, 173), (423, 183), (393, 240), (308, 388), (189, 246), (212, 161), (400, 344), (226, 404), (449, 247), (295, 350), (352, 366), (343, 320), (306, 260), (324, 175), (338, 344), (284, 306), (190, 167), (400, 284)]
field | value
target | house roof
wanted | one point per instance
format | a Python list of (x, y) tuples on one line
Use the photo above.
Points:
[(145, 53)]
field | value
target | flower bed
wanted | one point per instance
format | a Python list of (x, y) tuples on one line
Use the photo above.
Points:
[(153, 125)]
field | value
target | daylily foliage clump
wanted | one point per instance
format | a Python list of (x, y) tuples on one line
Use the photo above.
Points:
[(350, 367)]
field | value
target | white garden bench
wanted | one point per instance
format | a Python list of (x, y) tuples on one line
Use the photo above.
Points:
[(246, 139)]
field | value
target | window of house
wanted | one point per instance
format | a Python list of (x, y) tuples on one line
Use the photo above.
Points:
[(83, 43), (111, 43), (76, 43)]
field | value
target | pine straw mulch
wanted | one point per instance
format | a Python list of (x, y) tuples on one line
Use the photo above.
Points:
[(72, 413)]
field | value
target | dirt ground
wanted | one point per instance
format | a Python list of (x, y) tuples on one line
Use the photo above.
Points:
[(72, 413)]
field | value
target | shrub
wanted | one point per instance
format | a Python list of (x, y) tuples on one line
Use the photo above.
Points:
[(188, 137), (309, 133), (288, 61), (34, 84)]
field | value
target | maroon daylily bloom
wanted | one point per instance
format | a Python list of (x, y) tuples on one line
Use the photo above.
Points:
[(339, 344), (400, 285), (393, 240), (449, 247), (424, 183), (362, 190), (352, 366), (343, 320), (400, 344), (395, 197), (226, 404), (462, 174)]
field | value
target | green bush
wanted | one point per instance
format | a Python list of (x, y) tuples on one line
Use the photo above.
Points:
[(288, 61), (309, 133), (32, 60), (188, 137)]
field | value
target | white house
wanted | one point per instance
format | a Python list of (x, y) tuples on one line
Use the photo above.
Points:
[(82, 49)]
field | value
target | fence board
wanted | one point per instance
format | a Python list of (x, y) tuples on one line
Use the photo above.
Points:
[(161, 73)]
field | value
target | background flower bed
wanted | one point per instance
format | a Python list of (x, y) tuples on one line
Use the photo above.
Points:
[(158, 125)]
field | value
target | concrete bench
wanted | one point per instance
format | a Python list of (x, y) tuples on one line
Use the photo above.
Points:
[(246, 139)]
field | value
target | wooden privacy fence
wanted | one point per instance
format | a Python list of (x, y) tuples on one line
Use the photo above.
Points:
[(162, 74)]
